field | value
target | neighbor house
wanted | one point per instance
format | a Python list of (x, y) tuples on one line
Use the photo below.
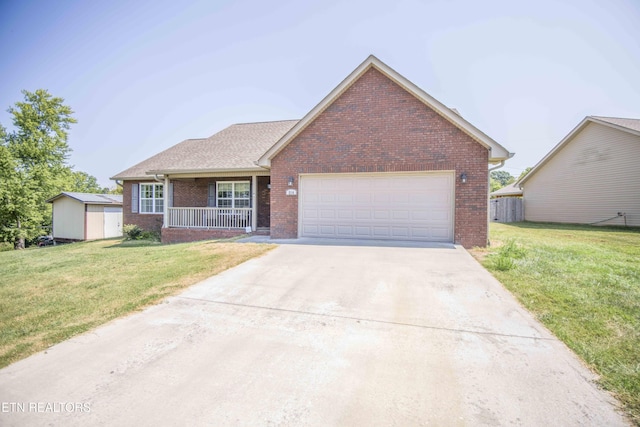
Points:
[(86, 216), (509, 190), (591, 177), (377, 158)]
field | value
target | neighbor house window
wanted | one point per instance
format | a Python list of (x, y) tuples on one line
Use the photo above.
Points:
[(233, 194), (151, 198)]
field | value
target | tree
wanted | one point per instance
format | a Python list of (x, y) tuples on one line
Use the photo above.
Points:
[(32, 164), (82, 182), (116, 189), (524, 173), (502, 177)]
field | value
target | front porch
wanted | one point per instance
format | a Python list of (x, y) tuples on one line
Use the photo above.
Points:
[(203, 208)]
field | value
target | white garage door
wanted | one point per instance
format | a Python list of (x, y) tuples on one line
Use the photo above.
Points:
[(112, 222), (377, 206)]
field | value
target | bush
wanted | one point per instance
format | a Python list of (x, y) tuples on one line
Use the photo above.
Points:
[(150, 235), (134, 232), (6, 246)]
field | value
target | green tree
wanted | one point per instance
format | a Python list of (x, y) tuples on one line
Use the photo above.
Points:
[(116, 189), (32, 164), (524, 173), (82, 182), (494, 185), (502, 177)]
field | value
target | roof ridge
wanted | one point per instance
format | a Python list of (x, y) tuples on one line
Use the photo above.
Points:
[(266, 121), (613, 117)]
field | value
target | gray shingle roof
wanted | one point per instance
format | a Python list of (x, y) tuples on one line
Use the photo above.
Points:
[(508, 190), (91, 198), (633, 124), (234, 148)]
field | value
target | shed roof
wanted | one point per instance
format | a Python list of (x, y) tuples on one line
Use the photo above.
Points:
[(90, 198), (236, 147), (507, 190)]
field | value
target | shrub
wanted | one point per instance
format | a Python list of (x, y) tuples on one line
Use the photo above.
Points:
[(150, 235), (6, 246), (132, 232)]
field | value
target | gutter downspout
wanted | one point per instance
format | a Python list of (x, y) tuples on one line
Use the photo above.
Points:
[(489, 198)]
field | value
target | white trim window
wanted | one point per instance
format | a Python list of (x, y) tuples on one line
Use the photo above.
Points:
[(233, 194), (151, 198)]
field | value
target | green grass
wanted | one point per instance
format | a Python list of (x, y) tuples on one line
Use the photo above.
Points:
[(583, 283), (48, 295)]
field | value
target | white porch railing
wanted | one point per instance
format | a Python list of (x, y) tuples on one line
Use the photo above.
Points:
[(210, 217)]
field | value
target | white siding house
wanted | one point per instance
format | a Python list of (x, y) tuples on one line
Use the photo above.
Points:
[(591, 177), (86, 216)]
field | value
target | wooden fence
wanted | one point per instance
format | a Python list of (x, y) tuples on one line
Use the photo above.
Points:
[(506, 209)]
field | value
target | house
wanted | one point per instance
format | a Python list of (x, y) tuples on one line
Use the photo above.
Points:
[(509, 190), (86, 216), (377, 158), (590, 177)]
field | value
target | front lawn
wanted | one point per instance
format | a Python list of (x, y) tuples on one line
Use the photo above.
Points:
[(583, 283), (51, 294)]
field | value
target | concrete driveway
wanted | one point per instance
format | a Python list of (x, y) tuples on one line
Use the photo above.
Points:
[(317, 334)]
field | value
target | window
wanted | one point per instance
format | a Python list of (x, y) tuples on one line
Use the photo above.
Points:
[(232, 194), (151, 198)]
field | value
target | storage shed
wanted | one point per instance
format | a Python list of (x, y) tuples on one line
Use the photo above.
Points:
[(86, 216)]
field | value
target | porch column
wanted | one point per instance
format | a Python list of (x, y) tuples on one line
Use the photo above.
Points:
[(254, 202), (165, 202)]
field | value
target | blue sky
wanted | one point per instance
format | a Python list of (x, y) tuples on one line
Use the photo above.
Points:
[(142, 76)]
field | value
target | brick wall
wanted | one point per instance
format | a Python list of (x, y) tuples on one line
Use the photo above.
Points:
[(151, 222), (191, 193), (182, 235), (376, 126)]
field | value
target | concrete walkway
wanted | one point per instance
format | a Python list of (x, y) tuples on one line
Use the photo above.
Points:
[(317, 334)]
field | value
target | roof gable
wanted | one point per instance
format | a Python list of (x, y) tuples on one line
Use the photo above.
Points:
[(496, 151), (631, 126)]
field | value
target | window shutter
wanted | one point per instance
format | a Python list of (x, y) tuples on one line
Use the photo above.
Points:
[(134, 198), (212, 196), (170, 195)]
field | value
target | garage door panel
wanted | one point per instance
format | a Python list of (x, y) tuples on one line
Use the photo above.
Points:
[(344, 231), (378, 214), (344, 214), (361, 231), (309, 214), (381, 232), (401, 215), (378, 206), (362, 214)]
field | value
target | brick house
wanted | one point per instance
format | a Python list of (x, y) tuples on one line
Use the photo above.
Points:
[(377, 158)]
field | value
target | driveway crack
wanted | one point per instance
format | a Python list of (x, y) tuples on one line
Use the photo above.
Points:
[(359, 319)]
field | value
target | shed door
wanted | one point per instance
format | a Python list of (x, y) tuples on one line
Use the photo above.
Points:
[(112, 222), (389, 206)]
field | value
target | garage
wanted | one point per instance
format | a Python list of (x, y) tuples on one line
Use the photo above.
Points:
[(86, 216), (392, 206)]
